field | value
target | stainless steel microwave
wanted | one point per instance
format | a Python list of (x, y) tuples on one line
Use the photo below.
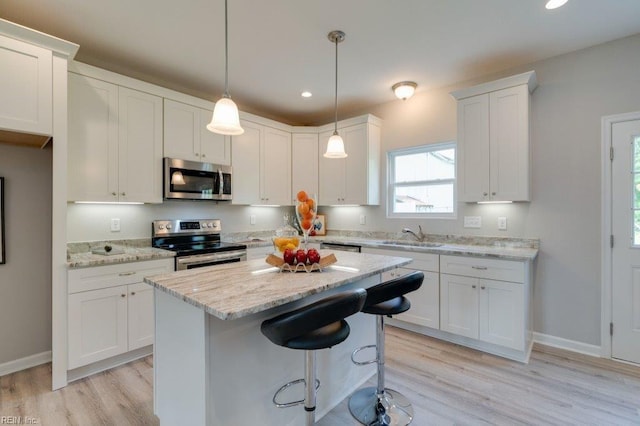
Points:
[(193, 180)]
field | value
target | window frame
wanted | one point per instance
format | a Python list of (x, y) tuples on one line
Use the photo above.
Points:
[(391, 184)]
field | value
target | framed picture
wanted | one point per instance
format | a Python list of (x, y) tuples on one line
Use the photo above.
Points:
[(320, 225), (2, 255)]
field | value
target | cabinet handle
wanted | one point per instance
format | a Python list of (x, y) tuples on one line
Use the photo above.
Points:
[(480, 268), (123, 194), (482, 287), (473, 286), (124, 274), (123, 295), (485, 194), (204, 155), (197, 155), (114, 194), (133, 293), (493, 193)]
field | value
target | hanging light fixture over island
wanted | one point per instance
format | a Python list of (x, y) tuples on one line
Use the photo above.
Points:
[(335, 145)]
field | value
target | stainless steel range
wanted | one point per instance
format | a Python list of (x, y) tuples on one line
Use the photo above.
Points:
[(196, 242)]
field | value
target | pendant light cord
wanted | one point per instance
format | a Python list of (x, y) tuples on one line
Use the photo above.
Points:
[(226, 52), (335, 129)]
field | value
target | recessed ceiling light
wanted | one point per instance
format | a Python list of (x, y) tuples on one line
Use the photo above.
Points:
[(306, 94), (554, 4)]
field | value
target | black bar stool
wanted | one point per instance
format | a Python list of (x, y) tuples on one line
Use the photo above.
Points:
[(317, 326), (378, 406)]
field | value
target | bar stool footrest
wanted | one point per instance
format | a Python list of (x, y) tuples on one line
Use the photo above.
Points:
[(287, 386), (361, 348)]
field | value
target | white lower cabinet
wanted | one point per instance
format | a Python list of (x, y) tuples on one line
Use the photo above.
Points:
[(425, 302), (110, 310), (480, 304)]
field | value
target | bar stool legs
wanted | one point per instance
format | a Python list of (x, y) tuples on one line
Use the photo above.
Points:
[(310, 390), (380, 406)]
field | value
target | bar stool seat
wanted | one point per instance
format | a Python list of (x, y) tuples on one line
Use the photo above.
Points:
[(319, 325), (380, 406)]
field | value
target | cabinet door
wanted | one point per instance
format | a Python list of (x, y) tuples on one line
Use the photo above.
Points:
[(214, 148), (97, 325), (502, 313), (181, 131), (304, 163), (509, 144), (459, 305), (473, 148), (140, 313), (245, 159), (139, 146), (355, 183), (26, 84), (93, 140), (331, 175), (275, 167), (425, 302)]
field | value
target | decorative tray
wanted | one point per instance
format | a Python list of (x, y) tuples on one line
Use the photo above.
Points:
[(279, 262)]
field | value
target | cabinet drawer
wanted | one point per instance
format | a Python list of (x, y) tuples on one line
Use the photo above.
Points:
[(421, 261), (495, 269), (98, 277)]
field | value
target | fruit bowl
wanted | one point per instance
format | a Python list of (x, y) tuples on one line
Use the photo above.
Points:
[(279, 262), (280, 244)]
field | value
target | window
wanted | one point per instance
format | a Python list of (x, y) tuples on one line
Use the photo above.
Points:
[(422, 181)]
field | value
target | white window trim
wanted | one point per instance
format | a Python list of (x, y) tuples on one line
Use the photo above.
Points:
[(391, 186)]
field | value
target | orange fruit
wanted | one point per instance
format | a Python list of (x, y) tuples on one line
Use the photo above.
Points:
[(311, 203), (303, 208), (306, 224), (308, 215), (302, 196)]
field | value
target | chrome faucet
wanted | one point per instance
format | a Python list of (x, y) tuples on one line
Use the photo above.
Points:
[(420, 236)]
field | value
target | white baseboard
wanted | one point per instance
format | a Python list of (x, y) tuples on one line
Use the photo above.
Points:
[(569, 345), (24, 363)]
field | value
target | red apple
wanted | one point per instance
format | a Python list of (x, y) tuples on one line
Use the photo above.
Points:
[(313, 256), (301, 256), (289, 256)]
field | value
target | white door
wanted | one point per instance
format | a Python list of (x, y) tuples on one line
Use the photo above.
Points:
[(625, 214), (502, 313)]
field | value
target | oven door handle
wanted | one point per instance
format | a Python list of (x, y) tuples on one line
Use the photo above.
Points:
[(204, 258)]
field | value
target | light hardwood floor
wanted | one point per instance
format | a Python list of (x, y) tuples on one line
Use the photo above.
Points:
[(447, 384)]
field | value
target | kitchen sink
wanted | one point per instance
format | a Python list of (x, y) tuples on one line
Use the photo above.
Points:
[(411, 243)]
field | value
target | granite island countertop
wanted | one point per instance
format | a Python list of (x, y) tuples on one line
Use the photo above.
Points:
[(235, 290)]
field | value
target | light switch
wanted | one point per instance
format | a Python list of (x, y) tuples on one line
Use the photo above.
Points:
[(502, 223), (363, 219), (252, 219), (115, 225)]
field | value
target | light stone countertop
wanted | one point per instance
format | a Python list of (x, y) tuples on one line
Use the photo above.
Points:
[(131, 254), (235, 290)]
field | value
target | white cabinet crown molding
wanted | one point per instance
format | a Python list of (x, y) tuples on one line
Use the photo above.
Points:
[(529, 78), (22, 33)]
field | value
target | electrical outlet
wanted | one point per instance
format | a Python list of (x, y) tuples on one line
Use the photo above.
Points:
[(115, 225), (502, 223), (473, 222), (252, 219), (363, 219)]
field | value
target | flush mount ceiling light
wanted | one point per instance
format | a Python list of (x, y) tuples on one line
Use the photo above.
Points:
[(306, 94), (554, 4), (335, 145), (404, 90), (225, 120)]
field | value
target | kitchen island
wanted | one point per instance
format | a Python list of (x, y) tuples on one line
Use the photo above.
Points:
[(212, 365)]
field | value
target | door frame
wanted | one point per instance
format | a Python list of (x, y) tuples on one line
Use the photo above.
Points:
[(607, 227)]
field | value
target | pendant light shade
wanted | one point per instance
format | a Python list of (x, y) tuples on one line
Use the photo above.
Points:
[(226, 120), (335, 145)]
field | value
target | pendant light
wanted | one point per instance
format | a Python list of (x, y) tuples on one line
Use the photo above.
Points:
[(225, 120), (335, 145)]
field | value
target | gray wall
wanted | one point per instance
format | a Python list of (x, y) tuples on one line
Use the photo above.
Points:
[(25, 280), (575, 91)]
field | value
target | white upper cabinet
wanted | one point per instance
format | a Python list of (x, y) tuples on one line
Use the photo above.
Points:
[(355, 179), (261, 166), (304, 163), (186, 136), (493, 140), (26, 85), (115, 143)]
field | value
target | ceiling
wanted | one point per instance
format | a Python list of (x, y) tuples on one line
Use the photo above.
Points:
[(279, 48)]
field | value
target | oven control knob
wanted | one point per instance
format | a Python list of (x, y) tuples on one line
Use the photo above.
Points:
[(160, 226), (168, 226), (210, 225)]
